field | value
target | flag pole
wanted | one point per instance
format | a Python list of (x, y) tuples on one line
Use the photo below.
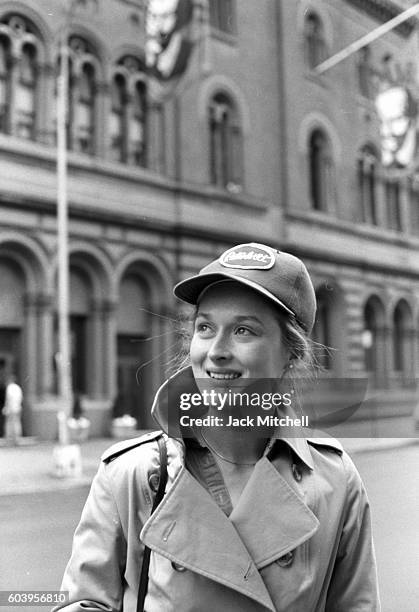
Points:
[(366, 40)]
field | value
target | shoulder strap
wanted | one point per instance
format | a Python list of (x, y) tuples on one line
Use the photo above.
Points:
[(142, 589)]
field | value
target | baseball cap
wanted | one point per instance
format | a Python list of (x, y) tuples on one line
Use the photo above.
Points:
[(280, 277)]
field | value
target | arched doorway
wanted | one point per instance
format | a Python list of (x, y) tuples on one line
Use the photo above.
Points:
[(133, 350), (403, 342), (374, 340), (12, 290), (328, 331)]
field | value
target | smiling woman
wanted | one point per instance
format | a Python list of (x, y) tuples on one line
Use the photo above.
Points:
[(248, 522)]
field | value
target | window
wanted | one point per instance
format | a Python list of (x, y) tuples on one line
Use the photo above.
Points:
[(222, 15), (315, 45), (129, 113), (402, 339), (414, 206), (4, 83), (365, 72), (322, 332), (84, 105), (18, 78), (392, 198), (137, 126), (320, 170), (118, 119), (82, 96), (25, 99), (367, 184), (225, 144)]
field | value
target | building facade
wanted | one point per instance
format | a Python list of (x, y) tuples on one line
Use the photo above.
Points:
[(248, 143)]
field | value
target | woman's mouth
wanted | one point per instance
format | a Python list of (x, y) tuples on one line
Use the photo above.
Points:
[(223, 375)]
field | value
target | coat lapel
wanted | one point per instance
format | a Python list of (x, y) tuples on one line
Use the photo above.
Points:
[(270, 517), (190, 529)]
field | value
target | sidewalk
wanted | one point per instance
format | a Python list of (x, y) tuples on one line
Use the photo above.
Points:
[(29, 467)]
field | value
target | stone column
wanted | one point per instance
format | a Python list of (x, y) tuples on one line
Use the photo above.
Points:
[(109, 357), (95, 343), (385, 354), (30, 346), (409, 354), (45, 344)]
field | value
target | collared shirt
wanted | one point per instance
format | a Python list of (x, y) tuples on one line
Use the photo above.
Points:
[(201, 463)]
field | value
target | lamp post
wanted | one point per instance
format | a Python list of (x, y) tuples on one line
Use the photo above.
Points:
[(64, 356)]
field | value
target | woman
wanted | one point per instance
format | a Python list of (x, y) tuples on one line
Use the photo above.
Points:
[(248, 522)]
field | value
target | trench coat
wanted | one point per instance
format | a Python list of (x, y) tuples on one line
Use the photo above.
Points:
[(298, 540)]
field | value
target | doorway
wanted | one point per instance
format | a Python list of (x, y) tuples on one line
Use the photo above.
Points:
[(131, 380), (9, 364)]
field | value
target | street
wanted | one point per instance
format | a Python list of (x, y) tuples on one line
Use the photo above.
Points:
[(37, 530), (392, 481), (36, 534)]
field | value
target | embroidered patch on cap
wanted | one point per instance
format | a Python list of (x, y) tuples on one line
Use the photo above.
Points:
[(248, 257)]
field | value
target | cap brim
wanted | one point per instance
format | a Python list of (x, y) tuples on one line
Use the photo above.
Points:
[(190, 289)]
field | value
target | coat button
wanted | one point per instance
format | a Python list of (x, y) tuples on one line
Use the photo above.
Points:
[(296, 472), (153, 481), (177, 567), (286, 559)]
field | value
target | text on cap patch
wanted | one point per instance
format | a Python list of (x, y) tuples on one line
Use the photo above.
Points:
[(248, 257)]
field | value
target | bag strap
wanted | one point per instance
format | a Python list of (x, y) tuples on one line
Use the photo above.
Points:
[(142, 588)]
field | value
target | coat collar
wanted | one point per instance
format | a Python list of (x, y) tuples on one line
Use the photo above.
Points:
[(269, 520), (183, 381)]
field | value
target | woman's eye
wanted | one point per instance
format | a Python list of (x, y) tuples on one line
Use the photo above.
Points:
[(202, 328), (243, 331)]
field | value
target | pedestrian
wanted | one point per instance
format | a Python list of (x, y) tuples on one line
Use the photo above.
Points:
[(247, 523), (12, 410)]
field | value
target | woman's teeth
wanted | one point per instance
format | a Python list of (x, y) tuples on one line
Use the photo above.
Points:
[(224, 376)]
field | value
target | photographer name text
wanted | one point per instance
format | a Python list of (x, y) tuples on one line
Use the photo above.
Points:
[(247, 421)]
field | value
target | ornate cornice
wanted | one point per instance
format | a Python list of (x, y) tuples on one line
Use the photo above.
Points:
[(384, 10)]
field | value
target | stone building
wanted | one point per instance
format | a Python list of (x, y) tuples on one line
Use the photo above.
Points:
[(248, 143)]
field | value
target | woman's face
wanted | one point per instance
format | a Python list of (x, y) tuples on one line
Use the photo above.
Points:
[(236, 335)]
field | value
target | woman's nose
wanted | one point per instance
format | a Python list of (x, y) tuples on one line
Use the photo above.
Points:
[(220, 348)]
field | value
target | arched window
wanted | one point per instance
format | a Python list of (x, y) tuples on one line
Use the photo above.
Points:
[(4, 83), (365, 72), (320, 170), (402, 339), (367, 184), (25, 99), (315, 45), (84, 106), (82, 96), (393, 204), (19, 78), (118, 118), (129, 113), (136, 132), (414, 206), (225, 144)]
